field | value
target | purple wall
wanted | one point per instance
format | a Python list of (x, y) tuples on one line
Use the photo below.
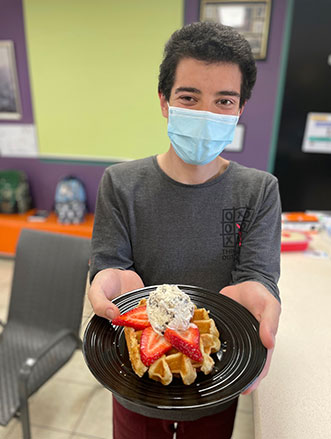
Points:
[(44, 175), (257, 118), (258, 115)]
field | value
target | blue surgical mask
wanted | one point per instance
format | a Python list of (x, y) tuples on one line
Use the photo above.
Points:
[(198, 137)]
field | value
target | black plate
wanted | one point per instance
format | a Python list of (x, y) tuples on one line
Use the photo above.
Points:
[(237, 364)]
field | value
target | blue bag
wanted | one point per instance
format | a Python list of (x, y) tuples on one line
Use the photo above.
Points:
[(70, 200)]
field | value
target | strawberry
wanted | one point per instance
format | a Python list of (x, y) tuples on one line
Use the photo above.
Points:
[(152, 346), (187, 342), (135, 318)]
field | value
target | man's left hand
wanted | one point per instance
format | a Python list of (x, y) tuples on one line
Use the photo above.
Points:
[(266, 309)]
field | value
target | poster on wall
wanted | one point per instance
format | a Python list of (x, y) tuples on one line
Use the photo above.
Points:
[(10, 106), (317, 135), (249, 18), (18, 140)]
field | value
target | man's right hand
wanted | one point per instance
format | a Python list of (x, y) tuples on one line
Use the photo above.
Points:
[(108, 284)]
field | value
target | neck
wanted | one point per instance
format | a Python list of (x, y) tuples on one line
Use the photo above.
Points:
[(182, 172)]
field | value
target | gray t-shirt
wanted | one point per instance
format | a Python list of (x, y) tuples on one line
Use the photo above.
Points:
[(209, 235)]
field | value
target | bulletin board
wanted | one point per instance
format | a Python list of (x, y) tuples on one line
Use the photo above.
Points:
[(94, 72), (303, 155)]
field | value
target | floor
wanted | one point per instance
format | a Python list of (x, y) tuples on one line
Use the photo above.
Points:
[(73, 405)]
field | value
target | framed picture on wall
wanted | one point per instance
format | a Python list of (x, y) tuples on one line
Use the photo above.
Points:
[(249, 18), (10, 105)]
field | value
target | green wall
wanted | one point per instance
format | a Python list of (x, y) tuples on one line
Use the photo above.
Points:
[(93, 70)]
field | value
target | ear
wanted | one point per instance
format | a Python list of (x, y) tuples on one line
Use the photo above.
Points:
[(164, 105), (241, 109)]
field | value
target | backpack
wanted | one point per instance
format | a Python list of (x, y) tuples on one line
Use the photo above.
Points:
[(15, 194), (70, 200)]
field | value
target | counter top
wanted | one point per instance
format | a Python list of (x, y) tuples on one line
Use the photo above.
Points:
[(12, 224), (294, 400)]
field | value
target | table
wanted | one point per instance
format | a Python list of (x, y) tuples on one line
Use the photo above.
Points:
[(294, 400)]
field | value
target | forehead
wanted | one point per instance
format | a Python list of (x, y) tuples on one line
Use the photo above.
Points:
[(205, 76)]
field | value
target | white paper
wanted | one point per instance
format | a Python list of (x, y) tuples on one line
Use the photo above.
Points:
[(18, 140), (238, 140), (317, 136)]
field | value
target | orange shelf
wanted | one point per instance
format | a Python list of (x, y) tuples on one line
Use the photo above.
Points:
[(12, 224)]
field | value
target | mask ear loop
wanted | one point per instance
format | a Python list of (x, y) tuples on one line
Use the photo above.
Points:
[(168, 110)]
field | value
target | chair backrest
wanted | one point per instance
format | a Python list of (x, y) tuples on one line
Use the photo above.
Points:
[(49, 280)]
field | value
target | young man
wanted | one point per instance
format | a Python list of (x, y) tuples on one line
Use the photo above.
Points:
[(188, 216)]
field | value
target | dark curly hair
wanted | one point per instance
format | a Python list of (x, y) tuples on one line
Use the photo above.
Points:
[(212, 43)]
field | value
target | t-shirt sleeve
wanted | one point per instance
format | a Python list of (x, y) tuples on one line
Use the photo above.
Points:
[(259, 257), (111, 246)]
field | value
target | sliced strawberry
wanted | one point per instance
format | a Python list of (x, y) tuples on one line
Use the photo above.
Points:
[(135, 318), (187, 342), (152, 346)]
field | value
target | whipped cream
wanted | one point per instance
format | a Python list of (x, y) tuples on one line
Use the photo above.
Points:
[(169, 307)]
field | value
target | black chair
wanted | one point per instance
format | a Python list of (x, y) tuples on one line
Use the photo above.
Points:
[(44, 317)]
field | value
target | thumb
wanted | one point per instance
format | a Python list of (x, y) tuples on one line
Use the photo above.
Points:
[(102, 306), (111, 311), (267, 335), (269, 324)]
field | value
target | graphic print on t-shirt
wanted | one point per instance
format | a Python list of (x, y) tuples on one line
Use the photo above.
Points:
[(235, 223)]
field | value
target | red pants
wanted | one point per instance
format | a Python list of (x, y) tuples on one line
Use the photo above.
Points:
[(130, 425)]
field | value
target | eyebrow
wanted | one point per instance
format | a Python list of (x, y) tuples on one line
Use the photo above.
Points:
[(229, 93), (197, 91), (188, 89)]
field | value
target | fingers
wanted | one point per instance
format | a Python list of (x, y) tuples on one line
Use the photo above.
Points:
[(269, 320), (252, 387), (108, 284), (262, 375), (101, 305), (266, 309)]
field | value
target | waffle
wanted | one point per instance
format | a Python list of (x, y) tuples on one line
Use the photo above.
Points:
[(174, 363)]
